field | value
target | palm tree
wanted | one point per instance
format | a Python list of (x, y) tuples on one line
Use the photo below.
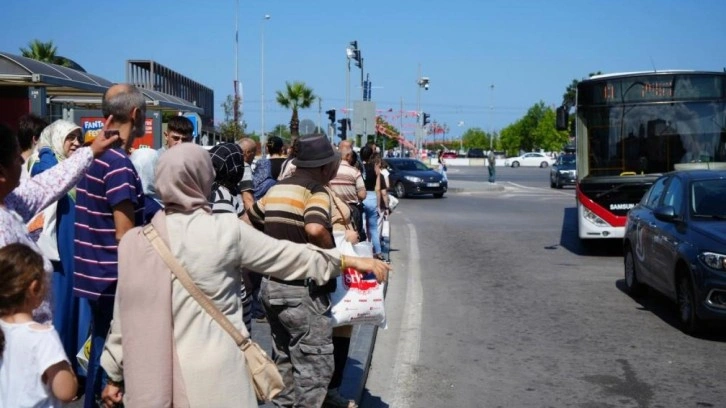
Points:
[(45, 52), (296, 96)]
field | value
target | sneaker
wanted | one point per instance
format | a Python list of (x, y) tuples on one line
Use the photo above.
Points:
[(261, 319), (334, 400)]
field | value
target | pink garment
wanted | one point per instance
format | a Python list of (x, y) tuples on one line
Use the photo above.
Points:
[(184, 180), (30, 198), (153, 377)]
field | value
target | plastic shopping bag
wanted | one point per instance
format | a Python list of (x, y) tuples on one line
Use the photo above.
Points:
[(358, 298), (84, 354)]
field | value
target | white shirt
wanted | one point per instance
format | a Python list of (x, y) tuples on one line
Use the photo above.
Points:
[(30, 349)]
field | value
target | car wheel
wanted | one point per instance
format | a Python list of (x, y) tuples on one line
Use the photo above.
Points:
[(558, 183), (632, 285), (543, 165), (552, 183), (400, 190), (438, 195), (690, 323), (515, 164)]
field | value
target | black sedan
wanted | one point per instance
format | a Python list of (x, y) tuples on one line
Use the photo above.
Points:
[(412, 177), (563, 172), (675, 243)]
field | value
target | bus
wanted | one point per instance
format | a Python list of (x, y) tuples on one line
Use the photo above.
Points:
[(630, 128)]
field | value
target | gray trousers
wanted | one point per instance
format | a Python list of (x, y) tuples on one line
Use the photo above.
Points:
[(303, 341)]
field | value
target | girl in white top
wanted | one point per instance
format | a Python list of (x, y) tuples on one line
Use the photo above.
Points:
[(34, 369)]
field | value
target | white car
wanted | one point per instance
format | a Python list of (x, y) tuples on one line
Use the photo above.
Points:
[(530, 159)]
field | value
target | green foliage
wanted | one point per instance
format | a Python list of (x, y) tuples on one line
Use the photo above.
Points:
[(229, 129), (282, 131), (295, 96), (44, 51), (475, 137), (535, 130)]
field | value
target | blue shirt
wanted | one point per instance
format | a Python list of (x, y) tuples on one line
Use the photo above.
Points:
[(109, 181)]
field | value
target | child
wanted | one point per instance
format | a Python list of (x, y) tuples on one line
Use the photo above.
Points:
[(34, 370)]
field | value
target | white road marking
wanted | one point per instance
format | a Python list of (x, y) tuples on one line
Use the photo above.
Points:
[(409, 341)]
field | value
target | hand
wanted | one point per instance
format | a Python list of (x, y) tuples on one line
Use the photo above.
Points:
[(101, 143), (111, 395), (379, 268), (351, 236)]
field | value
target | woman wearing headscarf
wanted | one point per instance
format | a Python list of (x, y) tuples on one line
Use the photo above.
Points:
[(229, 166), (72, 316), (164, 347), (144, 161), (262, 178)]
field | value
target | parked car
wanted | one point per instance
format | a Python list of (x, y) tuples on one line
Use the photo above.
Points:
[(412, 177), (563, 172), (530, 159), (449, 155), (675, 243), (475, 153)]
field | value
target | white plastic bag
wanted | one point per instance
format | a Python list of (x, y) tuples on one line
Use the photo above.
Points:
[(43, 225), (358, 298)]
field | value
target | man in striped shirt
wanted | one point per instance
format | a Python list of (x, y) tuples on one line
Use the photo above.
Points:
[(110, 201), (298, 209), (349, 186)]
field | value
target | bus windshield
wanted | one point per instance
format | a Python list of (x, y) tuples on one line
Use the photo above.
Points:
[(652, 138)]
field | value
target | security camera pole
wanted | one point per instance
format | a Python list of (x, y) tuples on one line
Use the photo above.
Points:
[(423, 82)]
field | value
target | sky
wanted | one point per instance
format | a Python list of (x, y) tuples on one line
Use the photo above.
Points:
[(487, 61)]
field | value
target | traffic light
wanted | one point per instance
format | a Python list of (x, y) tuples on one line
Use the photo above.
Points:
[(358, 59), (343, 128), (331, 116), (425, 119)]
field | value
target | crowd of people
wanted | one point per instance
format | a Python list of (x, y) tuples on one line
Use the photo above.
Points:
[(79, 274)]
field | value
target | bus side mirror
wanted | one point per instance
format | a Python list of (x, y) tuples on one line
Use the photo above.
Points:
[(562, 118)]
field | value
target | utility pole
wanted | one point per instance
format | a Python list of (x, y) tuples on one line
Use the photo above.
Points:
[(400, 129), (491, 112), (320, 113)]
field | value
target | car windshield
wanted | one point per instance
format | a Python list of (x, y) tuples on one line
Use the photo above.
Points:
[(568, 159), (708, 198), (410, 165)]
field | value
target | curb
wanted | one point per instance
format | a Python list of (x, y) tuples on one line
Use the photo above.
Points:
[(355, 374)]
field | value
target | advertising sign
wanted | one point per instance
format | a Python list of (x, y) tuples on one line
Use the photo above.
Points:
[(92, 126)]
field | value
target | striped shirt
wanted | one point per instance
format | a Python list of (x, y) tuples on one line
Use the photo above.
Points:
[(223, 201), (347, 183), (110, 180), (290, 204)]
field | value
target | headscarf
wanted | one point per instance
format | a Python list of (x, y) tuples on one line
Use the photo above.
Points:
[(144, 161), (229, 166), (53, 137), (184, 178), (262, 178)]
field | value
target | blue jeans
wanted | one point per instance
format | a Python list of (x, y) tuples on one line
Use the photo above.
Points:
[(370, 206), (102, 313)]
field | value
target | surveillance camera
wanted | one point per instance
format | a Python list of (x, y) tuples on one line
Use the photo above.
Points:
[(426, 87)]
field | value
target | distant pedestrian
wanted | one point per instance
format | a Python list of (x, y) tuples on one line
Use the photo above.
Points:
[(491, 165)]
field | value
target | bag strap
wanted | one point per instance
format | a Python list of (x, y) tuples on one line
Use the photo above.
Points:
[(181, 273), (333, 197)]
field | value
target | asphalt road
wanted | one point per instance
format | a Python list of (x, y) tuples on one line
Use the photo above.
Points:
[(494, 303)]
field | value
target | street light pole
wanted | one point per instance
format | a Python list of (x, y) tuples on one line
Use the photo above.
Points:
[(491, 125), (263, 136), (423, 82)]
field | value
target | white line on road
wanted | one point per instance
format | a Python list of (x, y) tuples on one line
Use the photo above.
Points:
[(409, 341), (549, 190)]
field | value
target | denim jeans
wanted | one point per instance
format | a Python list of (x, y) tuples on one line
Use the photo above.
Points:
[(102, 313), (370, 206)]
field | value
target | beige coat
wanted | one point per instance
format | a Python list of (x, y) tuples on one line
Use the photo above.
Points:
[(213, 248)]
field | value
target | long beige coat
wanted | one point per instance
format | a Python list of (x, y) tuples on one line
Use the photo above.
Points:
[(213, 248)]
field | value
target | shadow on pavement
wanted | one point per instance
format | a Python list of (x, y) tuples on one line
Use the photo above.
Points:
[(585, 247), (371, 401), (654, 302)]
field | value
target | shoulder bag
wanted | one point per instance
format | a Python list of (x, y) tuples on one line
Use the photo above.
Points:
[(266, 379)]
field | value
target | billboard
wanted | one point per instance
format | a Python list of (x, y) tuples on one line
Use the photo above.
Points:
[(92, 126)]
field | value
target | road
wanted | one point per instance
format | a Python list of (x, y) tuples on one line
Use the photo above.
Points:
[(494, 303)]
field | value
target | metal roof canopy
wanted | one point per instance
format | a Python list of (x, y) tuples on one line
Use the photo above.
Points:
[(68, 85)]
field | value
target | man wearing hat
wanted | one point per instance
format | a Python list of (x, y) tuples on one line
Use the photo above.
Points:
[(298, 209)]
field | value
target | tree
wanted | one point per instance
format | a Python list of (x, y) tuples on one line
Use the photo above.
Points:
[(229, 129), (475, 137), (296, 96), (45, 52)]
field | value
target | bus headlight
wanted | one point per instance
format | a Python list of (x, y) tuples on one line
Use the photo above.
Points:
[(594, 218), (713, 260)]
